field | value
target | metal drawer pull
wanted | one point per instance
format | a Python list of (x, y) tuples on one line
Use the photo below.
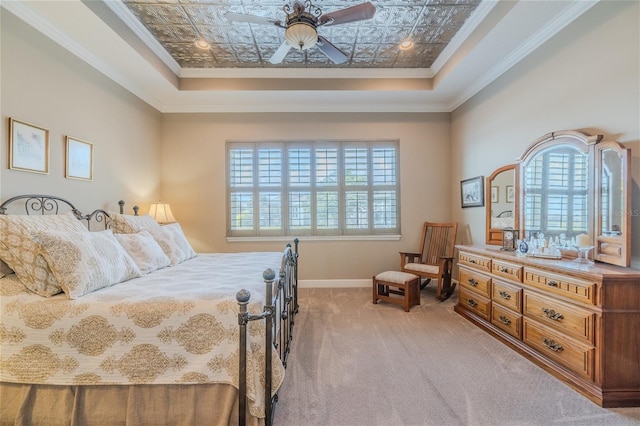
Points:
[(551, 314), (504, 269), (504, 295), (556, 347), (473, 282), (472, 302), (552, 284), (504, 320)]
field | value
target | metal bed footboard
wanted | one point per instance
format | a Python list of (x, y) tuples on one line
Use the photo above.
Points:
[(278, 313)]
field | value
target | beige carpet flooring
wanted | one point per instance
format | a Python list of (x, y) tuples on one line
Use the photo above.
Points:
[(354, 363)]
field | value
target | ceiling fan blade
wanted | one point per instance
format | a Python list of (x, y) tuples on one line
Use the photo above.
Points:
[(359, 12), (336, 55), (252, 19), (279, 55)]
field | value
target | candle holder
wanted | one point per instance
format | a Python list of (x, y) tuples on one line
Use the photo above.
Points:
[(583, 255)]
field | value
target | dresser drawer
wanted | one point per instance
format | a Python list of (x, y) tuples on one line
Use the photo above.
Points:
[(507, 320), (507, 270), (474, 302), (568, 352), (478, 262), (565, 318), (573, 288), (475, 281), (507, 295)]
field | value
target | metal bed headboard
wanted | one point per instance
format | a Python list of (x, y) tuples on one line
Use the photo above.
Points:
[(52, 204)]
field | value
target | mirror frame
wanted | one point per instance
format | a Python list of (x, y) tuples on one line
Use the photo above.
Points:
[(494, 235), (607, 249), (614, 249), (582, 142)]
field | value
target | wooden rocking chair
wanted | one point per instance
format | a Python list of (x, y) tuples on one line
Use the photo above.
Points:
[(435, 259)]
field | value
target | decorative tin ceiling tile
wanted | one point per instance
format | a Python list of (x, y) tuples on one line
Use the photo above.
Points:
[(176, 24)]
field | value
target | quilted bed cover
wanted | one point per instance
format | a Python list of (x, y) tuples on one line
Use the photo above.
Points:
[(177, 325)]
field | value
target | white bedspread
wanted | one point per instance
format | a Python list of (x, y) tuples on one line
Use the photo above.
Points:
[(175, 325)]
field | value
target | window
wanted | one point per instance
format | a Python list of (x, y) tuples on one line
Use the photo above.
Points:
[(320, 188)]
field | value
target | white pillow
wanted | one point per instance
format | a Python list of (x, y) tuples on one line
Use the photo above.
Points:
[(173, 243), (128, 224), (21, 253), (144, 250), (85, 262)]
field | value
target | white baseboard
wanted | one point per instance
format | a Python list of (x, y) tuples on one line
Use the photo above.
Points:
[(339, 283), (334, 283)]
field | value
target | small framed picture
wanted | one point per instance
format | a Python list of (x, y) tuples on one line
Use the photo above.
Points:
[(472, 192), (510, 194), (494, 194), (79, 162), (28, 147)]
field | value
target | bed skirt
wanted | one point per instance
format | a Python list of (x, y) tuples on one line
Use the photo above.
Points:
[(106, 405)]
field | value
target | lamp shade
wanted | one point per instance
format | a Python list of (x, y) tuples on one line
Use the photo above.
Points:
[(161, 213), (301, 36)]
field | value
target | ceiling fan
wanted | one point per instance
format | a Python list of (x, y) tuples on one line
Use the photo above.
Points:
[(301, 27)]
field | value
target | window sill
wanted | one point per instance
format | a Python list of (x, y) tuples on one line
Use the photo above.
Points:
[(393, 237)]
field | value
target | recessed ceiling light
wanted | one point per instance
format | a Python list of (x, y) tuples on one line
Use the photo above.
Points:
[(202, 44), (406, 44)]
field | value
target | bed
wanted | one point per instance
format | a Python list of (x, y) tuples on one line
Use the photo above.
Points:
[(190, 339)]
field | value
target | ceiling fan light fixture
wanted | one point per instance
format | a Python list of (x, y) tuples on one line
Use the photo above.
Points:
[(202, 44), (301, 36), (406, 44)]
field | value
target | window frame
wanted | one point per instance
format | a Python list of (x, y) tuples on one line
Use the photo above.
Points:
[(286, 188)]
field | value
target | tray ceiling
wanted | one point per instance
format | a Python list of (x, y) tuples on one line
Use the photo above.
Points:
[(176, 25), (146, 46)]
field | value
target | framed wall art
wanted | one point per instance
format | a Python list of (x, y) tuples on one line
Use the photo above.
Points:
[(510, 195), (28, 147), (472, 192), (79, 161), (494, 194)]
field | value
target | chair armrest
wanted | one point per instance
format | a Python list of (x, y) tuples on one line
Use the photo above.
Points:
[(408, 257), (446, 262)]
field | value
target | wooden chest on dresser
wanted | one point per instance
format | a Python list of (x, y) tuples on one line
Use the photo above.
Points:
[(580, 323)]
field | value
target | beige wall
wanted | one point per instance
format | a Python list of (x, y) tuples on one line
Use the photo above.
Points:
[(193, 150), (586, 78), (43, 84)]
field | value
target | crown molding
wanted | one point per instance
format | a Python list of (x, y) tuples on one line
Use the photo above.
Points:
[(44, 26), (123, 12), (563, 19)]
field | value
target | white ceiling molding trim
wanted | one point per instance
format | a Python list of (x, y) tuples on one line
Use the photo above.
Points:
[(570, 14), (31, 17), (307, 73), (465, 31), (136, 26)]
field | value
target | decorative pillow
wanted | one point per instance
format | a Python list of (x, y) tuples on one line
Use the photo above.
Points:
[(144, 250), (173, 243), (128, 224), (86, 262), (21, 253)]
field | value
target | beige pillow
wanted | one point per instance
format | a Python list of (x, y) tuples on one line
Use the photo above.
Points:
[(21, 253), (83, 263), (173, 242), (144, 250), (128, 224)]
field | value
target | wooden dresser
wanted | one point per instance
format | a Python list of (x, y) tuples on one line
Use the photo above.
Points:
[(580, 323)]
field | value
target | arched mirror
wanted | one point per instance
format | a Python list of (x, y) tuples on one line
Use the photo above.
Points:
[(502, 202), (575, 188)]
